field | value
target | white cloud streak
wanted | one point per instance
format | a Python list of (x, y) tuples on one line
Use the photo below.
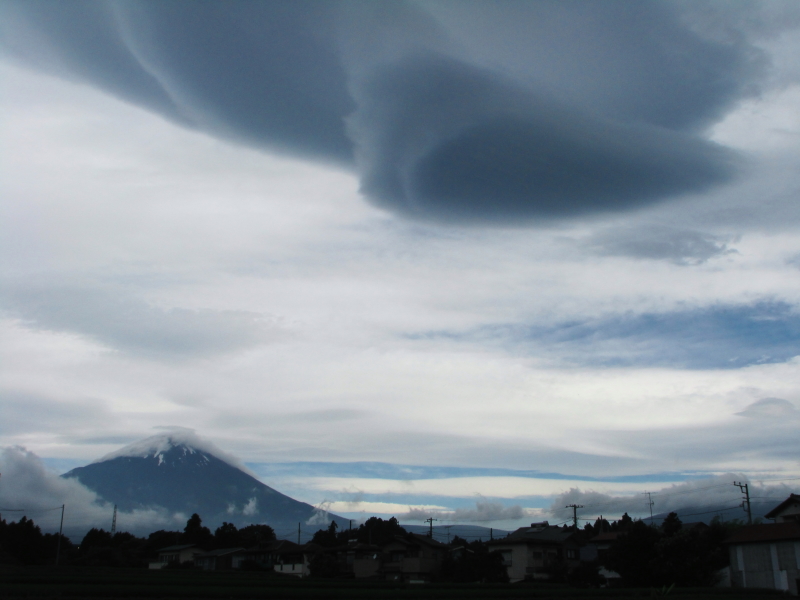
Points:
[(29, 489)]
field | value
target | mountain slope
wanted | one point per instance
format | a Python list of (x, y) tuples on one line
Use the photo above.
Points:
[(171, 472)]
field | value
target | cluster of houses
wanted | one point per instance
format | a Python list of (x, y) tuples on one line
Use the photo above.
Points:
[(412, 558), (761, 556)]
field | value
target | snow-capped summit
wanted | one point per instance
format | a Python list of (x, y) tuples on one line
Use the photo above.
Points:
[(181, 473), (185, 439)]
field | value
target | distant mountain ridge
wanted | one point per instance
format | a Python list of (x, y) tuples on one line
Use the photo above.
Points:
[(182, 474)]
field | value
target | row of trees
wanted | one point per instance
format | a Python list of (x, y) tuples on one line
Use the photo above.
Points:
[(653, 556), (24, 543), (644, 556)]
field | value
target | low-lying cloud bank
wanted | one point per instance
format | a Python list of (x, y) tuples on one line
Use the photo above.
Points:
[(29, 489), (696, 500), (447, 111), (485, 511)]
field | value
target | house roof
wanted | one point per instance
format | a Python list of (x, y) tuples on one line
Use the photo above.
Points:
[(539, 535), (413, 539), (424, 539), (767, 532), (775, 512), (220, 552), (606, 536), (177, 548)]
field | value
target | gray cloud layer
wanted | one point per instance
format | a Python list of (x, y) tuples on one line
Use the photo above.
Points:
[(689, 498), (485, 511), (568, 108), (681, 247), (132, 325)]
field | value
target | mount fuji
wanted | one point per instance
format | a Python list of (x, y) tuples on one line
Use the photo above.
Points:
[(182, 473)]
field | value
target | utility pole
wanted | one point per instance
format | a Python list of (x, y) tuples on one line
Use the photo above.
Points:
[(574, 508), (298, 534), (60, 532), (650, 504), (746, 500), (430, 520), (114, 521)]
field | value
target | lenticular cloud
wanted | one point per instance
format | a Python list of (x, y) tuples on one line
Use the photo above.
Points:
[(395, 92)]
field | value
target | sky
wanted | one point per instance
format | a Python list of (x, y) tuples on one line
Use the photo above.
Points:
[(466, 259)]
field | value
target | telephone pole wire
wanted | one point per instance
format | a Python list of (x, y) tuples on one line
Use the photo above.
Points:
[(746, 500), (574, 508), (650, 504), (430, 520)]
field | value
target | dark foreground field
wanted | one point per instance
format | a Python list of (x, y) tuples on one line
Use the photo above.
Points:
[(44, 582)]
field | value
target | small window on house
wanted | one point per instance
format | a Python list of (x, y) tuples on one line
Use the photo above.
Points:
[(397, 556), (572, 554), (506, 554)]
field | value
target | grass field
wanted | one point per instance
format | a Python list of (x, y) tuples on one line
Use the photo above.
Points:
[(65, 582)]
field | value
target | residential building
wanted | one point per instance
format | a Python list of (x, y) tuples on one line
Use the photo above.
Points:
[(787, 511), (532, 552), (413, 558), (216, 560), (768, 555), (282, 556), (597, 549), (175, 554)]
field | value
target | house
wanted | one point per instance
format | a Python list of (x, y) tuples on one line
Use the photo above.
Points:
[(787, 511), (530, 552), (175, 554), (597, 549), (364, 560), (282, 556), (413, 558), (768, 555), (292, 559), (598, 546), (216, 560)]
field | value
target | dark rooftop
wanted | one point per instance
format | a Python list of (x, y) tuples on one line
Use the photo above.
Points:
[(767, 532)]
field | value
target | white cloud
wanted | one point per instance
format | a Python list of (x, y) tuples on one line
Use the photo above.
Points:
[(28, 489)]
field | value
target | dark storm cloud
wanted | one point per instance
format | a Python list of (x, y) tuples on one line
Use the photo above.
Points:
[(264, 73), (569, 108), (132, 325), (717, 337), (678, 246), (441, 139)]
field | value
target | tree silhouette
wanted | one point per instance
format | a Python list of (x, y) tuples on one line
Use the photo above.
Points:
[(195, 533)]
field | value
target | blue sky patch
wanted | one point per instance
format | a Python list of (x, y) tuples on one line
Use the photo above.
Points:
[(379, 470), (717, 337)]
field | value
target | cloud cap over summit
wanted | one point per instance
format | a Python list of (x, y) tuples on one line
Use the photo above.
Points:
[(558, 115)]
